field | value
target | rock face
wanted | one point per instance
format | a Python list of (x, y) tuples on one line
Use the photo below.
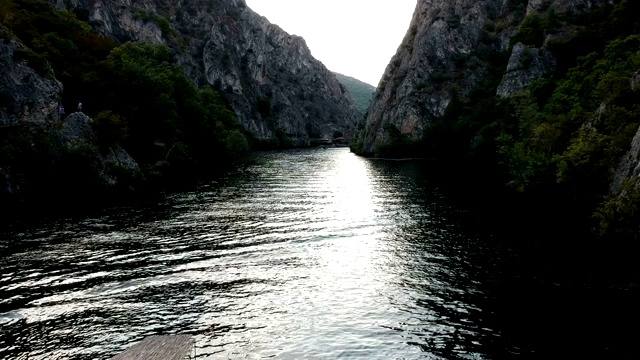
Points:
[(76, 132), (629, 166), (25, 96), (525, 65), (269, 77), (445, 52), (441, 48), (28, 105), (277, 89)]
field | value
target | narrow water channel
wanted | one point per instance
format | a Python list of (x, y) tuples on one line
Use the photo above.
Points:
[(310, 253)]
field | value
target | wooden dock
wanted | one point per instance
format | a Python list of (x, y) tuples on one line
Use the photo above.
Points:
[(170, 347)]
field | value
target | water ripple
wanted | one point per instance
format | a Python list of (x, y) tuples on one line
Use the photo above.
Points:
[(306, 253)]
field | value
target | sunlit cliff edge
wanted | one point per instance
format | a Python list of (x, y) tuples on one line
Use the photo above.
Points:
[(541, 96), (278, 94), (447, 46), (229, 46)]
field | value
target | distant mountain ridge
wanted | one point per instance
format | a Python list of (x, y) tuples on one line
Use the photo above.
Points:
[(361, 92)]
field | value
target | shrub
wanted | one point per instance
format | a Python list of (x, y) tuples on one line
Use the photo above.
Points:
[(530, 32), (440, 76), (618, 215), (527, 57), (453, 21), (35, 61), (110, 128), (490, 27), (161, 21)]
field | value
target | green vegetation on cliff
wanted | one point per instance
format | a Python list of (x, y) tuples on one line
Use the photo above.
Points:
[(164, 116), (140, 99), (557, 144), (361, 92)]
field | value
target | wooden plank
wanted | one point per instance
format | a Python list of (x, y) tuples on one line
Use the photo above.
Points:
[(157, 347)]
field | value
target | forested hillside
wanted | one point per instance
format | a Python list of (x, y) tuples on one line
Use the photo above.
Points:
[(562, 138), (163, 99), (361, 92), (141, 103), (552, 116)]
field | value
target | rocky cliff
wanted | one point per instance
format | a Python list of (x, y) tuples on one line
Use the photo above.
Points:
[(536, 97), (41, 155), (629, 167), (25, 95), (448, 50), (269, 77), (440, 49), (151, 124)]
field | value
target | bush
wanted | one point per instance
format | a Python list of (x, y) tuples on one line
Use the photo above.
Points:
[(161, 21), (142, 98), (69, 46), (618, 215), (453, 21), (110, 128), (530, 32), (440, 76), (34, 61)]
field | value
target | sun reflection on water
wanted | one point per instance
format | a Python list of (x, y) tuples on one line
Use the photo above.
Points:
[(308, 253)]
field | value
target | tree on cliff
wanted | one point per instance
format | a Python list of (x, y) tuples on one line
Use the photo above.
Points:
[(142, 100), (556, 142)]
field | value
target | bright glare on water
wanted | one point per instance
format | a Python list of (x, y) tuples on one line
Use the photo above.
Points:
[(303, 254)]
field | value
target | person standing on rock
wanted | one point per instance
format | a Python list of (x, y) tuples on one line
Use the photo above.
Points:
[(79, 107), (60, 112)]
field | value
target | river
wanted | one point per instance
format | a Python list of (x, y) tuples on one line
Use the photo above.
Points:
[(313, 253)]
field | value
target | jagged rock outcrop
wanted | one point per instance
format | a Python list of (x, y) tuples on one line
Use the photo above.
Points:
[(28, 109), (269, 77), (25, 96), (635, 81), (442, 48), (629, 166), (76, 133), (526, 64), (445, 52)]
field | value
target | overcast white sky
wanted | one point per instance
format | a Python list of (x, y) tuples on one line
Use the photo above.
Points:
[(356, 38)]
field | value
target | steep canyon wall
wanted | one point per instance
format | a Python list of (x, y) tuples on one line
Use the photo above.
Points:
[(269, 77), (460, 55), (447, 52)]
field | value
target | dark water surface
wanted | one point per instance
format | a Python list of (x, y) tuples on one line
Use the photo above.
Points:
[(303, 254)]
